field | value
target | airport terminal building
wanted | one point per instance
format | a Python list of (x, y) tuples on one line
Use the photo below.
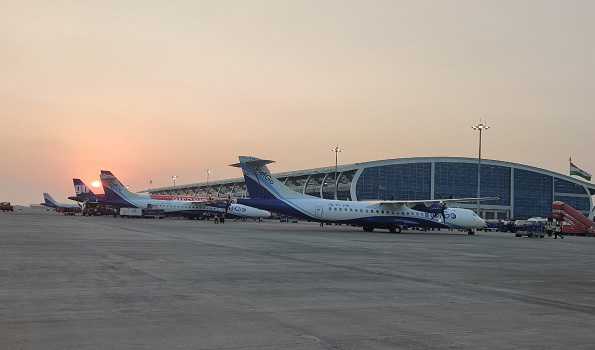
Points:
[(524, 191)]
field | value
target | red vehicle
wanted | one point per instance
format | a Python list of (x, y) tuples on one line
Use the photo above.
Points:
[(575, 222)]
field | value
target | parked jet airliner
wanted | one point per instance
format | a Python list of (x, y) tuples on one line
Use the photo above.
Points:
[(266, 192), (116, 193)]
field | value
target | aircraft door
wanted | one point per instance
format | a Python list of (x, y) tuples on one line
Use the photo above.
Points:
[(319, 213)]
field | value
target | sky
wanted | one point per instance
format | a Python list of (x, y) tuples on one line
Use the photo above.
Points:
[(151, 89)]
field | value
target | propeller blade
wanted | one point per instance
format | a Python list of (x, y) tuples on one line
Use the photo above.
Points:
[(228, 204), (443, 207)]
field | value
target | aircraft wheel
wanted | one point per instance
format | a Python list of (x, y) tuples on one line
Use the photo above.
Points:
[(471, 232), (368, 228), (394, 229)]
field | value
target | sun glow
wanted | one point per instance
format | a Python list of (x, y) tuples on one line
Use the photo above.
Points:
[(95, 184)]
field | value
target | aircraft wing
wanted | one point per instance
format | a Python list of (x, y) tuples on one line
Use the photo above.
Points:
[(429, 202), (210, 202)]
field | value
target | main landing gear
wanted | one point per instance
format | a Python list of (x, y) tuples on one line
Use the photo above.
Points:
[(471, 232), (394, 229)]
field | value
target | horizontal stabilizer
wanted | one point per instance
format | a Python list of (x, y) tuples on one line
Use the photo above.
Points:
[(251, 161)]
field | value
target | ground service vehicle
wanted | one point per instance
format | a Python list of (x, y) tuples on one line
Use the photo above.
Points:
[(131, 212), (5, 206)]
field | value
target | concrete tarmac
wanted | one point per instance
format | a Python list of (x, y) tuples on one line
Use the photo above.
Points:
[(106, 283)]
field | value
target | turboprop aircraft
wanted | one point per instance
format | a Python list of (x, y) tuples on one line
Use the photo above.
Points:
[(268, 193), (50, 202), (117, 193)]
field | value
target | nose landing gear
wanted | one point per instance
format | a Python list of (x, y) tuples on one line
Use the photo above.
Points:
[(368, 228)]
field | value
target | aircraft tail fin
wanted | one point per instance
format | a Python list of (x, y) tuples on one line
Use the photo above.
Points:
[(82, 191), (260, 183), (115, 191), (49, 201)]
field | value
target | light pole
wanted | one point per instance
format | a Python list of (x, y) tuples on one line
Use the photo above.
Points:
[(208, 175), (481, 126), (173, 179), (336, 149)]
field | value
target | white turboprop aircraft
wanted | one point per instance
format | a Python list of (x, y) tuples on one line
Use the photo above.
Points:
[(50, 202), (268, 193), (116, 194)]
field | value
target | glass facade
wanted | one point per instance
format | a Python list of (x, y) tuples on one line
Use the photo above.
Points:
[(532, 194), (579, 203), (313, 185), (328, 187), (563, 186), (459, 180), (395, 182), (225, 190), (344, 188), (235, 190), (297, 183)]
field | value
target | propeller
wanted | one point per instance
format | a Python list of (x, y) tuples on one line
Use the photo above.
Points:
[(228, 204), (438, 209)]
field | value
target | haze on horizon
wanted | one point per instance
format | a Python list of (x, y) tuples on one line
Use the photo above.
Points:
[(151, 89)]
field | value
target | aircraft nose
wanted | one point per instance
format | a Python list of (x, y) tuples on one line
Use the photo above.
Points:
[(481, 222)]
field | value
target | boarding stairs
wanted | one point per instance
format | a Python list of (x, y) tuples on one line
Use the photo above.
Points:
[(574, 221)]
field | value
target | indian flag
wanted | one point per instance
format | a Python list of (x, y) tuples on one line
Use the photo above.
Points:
[(576, 171)]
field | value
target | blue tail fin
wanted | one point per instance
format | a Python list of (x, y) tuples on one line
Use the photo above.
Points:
[(48, 201), (115, 191), (83, 192), (260, 183)]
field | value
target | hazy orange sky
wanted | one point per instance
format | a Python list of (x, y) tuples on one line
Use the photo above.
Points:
[(149, 89)]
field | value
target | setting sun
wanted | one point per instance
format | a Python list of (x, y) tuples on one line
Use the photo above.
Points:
[(95, 184)]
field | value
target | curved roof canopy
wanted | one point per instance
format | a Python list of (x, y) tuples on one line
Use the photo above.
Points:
[(375, 163)]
